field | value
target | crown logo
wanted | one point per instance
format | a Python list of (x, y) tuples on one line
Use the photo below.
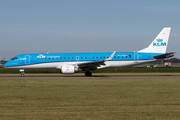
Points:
[(159, 40)]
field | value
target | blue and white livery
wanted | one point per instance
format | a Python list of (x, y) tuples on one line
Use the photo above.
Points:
[(69, 63)]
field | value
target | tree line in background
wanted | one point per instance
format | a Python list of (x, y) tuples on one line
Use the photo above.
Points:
[(172, 60), (3, 61)]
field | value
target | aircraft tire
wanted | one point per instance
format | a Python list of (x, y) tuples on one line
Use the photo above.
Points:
[(22, 75), (88, 73)]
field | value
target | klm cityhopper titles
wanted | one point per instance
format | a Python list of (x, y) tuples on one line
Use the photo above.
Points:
[(69, 63)]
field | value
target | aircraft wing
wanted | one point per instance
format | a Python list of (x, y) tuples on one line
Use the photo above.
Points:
[(95, 63), (167, 55)]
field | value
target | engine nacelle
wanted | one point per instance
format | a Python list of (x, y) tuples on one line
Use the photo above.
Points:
[(67, 70)]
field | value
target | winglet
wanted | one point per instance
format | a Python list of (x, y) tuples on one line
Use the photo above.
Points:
[(108, 59)]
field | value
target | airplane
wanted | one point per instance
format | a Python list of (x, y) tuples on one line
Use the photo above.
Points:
[(70, 63)]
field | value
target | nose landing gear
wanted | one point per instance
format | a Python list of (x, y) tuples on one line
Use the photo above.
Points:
[(22, 72)]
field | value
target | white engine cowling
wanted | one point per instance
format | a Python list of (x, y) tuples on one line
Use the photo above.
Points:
[(67, 70)]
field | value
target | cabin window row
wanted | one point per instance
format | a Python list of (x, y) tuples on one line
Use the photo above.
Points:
[(87, 57)]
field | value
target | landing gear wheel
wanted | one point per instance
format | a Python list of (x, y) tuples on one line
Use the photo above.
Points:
[(22, 72), (88, 73), (22, 75)]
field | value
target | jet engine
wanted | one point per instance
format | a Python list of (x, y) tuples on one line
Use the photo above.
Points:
[(68, 69)]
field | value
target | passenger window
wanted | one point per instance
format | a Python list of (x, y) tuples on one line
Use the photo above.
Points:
[(85, 57), (57, 58), (97, 57), (53, 58), (118, 56), (101, 57), (89, 57), (81, 57), (68, 57), (61, 58), (104, 57), (41, 58), (122, 56), (93, 57), (126, 56), (64, 57), (38, 58), (114, 57), (72, 57), (45, 58), (49, 58)]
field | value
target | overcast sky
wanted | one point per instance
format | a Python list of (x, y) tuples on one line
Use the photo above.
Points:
[(59, 26)]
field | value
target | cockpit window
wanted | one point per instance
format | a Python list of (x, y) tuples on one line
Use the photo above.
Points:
[(14, 58)]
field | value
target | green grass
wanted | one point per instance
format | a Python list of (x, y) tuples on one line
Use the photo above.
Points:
[(121, 70), (95, 98)]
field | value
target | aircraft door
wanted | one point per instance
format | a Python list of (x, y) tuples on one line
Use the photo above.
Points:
[(27, 59), (136, 57)]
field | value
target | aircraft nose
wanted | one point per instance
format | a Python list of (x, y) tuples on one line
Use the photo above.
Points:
[(5, 65)]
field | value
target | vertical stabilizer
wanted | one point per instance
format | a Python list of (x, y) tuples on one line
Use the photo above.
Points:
[(159, 44)]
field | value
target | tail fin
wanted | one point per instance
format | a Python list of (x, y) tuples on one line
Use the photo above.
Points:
[(160, 43)]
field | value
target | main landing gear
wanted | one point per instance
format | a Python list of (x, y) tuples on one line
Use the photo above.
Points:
[(22, 72), (88, 73)]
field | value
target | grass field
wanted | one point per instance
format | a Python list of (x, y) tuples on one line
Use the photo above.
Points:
[(90, 98)]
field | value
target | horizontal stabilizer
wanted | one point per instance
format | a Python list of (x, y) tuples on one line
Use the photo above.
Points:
[(167, 55)]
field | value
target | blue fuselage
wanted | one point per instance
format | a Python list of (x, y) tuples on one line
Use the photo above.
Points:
[(42, 58)]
